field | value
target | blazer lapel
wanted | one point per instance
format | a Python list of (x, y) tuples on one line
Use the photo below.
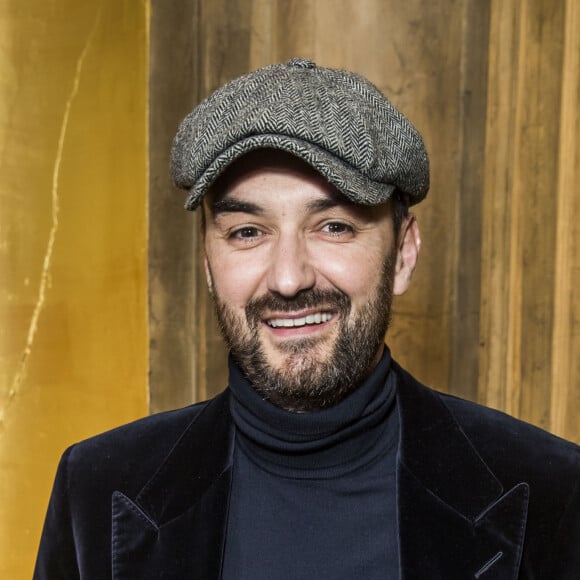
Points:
[(175, 528), (455, 518)]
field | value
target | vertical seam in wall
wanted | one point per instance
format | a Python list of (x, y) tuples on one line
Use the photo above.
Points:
[(465, 331), (148, 12), (458, 225), (497, 186), (513, 358)]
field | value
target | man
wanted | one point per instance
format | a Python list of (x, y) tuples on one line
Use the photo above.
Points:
[(323, 458)]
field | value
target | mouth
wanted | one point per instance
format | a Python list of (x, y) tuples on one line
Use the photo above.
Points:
[(313, 319)]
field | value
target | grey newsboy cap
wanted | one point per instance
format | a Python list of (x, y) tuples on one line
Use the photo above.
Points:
[(335, 120)]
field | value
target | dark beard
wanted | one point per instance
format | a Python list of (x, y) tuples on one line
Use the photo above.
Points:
[(306, 383)]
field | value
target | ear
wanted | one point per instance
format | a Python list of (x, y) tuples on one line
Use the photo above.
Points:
[(208, 276), (408, 247)]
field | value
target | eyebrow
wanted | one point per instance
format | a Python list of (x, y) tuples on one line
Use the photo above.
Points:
[(323, 203), (229, 205)]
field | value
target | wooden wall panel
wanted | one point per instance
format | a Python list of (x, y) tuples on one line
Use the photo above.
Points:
[(496, 338), (174, 252), (565, 379), (529, 247), (464, 319), (493, 87), (536, 167)]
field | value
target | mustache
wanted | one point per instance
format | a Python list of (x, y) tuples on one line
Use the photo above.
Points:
[(312, 298)]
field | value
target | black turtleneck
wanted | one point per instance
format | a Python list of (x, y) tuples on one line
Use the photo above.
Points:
[(314, 494)]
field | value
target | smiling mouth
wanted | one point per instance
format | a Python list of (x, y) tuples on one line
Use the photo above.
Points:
[(310, 320)]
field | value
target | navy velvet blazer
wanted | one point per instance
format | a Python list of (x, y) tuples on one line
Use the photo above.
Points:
[(480, 495)]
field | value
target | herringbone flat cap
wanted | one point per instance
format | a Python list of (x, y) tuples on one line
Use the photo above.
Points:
[(335, 120)]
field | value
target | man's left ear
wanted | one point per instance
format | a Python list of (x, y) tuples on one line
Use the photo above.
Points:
[(408, 247), (208, 276)]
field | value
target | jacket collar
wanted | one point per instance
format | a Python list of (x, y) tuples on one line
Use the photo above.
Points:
[(176, 526), (455, 518)]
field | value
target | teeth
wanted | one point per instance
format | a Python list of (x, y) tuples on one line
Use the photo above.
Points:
[(317, 318)]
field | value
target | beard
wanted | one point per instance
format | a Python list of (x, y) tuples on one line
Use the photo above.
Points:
[(314, 374)]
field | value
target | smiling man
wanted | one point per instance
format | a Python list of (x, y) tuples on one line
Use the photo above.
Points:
[(302, 278), (323, 459)]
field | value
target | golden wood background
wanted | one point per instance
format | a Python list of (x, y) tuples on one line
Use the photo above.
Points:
[(494, 88), (73, 243), (90, 97)]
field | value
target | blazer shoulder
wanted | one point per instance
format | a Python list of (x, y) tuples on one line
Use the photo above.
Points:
[(125, 457), (447, 441), (515, 449), (521, 445)]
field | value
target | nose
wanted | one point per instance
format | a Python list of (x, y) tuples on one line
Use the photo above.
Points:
[(291, 270)]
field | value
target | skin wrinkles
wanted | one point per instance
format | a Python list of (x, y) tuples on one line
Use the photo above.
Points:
[(281, 243)]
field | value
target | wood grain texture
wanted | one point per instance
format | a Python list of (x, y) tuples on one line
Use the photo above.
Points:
[(493, 87), (174, 252), (529, 243), (565, 377), (537, 176), (496, 340), (465, 307)]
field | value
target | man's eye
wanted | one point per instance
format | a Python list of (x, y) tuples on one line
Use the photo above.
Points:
[(337, 228), (246, 233)]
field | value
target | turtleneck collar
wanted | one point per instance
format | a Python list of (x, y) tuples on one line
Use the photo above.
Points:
[(317, 444)]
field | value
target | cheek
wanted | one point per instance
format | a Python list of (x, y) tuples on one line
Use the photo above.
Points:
[(356, 274), (235, 281)]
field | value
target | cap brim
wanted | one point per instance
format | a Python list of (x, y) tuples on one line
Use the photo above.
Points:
[(350, 182)]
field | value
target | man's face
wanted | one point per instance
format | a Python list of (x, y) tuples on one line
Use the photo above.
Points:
[(302, 280)]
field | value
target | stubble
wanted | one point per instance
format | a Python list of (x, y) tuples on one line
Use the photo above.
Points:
[(312, 376)]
